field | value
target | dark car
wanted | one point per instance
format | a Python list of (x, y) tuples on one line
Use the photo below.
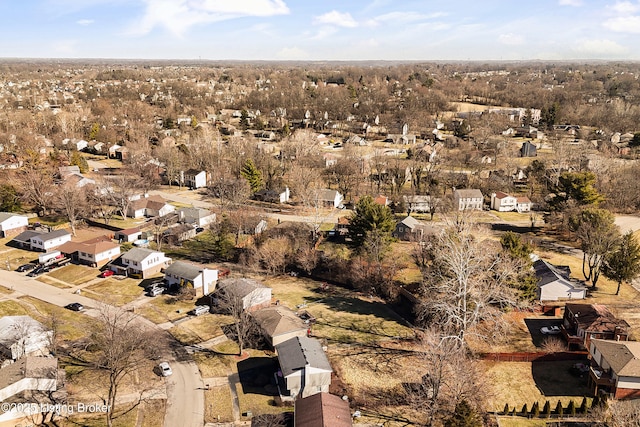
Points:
[(25, 267), (38, 271), (74, 306)]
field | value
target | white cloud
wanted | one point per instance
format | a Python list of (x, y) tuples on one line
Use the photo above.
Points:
[(85, 22), (625, 7), (574, 3), (324, 32), (402, 18), (623, 24), (511, 39), (336, 18), (601, 48), (178, 16)]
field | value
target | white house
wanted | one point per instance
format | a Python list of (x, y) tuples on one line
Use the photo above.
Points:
[(304, 368), (12, 224), (615, 368), (554, 283), (502, 202), (28, 373), (181, 273), (140, 262), (523, 204), (45, 241), (419, 203), (197, 216), (23, 336), (254, 294), (149, 206), (194, 178), (468, 199), (331, 198)]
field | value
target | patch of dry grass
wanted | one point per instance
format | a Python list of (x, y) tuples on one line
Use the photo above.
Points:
[(53, 282), (74, 274), (13, 257), (166, 308), (213, 365), (218, 407), (12, 308), (115, 291), (200, 328)]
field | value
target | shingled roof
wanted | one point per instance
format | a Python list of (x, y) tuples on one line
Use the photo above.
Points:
[(622, 356)]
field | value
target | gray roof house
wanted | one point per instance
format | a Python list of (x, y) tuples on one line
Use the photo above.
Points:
[(304, 368), (12, 224), (412, 229), (279, 324), (197, 216), (615, 368), (23, 336), (200, 278), (468, 199), (254, 294), (330, 198), (554, 283), (28, 373), (140, 262)]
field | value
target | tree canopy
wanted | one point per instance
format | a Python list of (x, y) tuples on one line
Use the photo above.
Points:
[(623, 263), (252, 174), (368, 219)]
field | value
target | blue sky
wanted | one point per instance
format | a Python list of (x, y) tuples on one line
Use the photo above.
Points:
[(321, 30)]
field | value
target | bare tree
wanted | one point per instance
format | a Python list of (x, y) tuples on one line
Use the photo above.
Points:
[(36, 184), (122, 346), (233, 304), (71, 201)]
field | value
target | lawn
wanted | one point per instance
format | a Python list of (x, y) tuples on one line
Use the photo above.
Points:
[(74, 274), (166, 308), (72, 325), (213, 365), (218, 406), (512, 216), (53, 282), (537, 381), (115, 291), (200, 328), (12, 308), (12, 258)]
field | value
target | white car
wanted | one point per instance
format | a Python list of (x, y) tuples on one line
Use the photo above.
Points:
[(165, 369), (550, 330)]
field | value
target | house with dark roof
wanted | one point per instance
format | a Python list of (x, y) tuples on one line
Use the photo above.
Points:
[(583, 322), (140, 262), (254, 294), (410, 229), (194, 178), (554, 283), (615, 368), (329, 198), (279, 324), (304, 368), (528, 149), (12, 224), (181, 273), (41, 241), (322, 410), (468, 199)]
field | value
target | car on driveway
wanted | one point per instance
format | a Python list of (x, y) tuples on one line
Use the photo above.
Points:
[(550, 330), (165, 369), (199, 310), (25, 267), (74, 306), (41, 269), (107, 273)]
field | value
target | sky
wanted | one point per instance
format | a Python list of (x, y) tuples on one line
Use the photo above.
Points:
[(345, 30)]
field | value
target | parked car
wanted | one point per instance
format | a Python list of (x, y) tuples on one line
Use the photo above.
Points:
[(107, 273), (41, 269), (165, 369), (550, 330), (25, 267), (199, 310), (74, 306), (154, 291)]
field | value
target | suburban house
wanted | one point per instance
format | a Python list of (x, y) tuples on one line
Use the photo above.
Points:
[(181, 273), (128, 235), (41, 241), (273, 196), (528, 149), (615, 368), (12, 224), (254, 226), (410, 229), (140, 262), (254, 295), (30, 373), (418, 203), (583, 322), (23, 336), (468, 199), (149, 206), (279, 324), (382, 200), (322, 410), (178, 233), (503, 202), (194, 178), (554, 283), (329, 198), (92, 252), (197, 216), (304, 368)]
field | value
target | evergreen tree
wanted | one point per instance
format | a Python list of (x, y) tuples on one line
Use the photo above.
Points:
[(535, 410), (559, 409), (463, 416), (596, 401), (623, 264), (583, 406), (252, 174), (525, 409), (78, 159), (370, 218), (506, 409), (571, 409), (546, 411)]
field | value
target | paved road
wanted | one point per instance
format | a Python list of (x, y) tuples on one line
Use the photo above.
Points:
[(185, 394)]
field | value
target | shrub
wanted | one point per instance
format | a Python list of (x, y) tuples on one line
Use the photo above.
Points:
[(505, 411), (559, 409), (535, 410), (546, 411), (525, 409), (571, 409), (583, 406)]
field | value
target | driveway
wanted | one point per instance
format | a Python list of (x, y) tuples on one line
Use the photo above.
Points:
[(185, 393)]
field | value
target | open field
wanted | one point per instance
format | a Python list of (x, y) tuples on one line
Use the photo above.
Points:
[(115, 291), (166, 308), (74, 274)]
